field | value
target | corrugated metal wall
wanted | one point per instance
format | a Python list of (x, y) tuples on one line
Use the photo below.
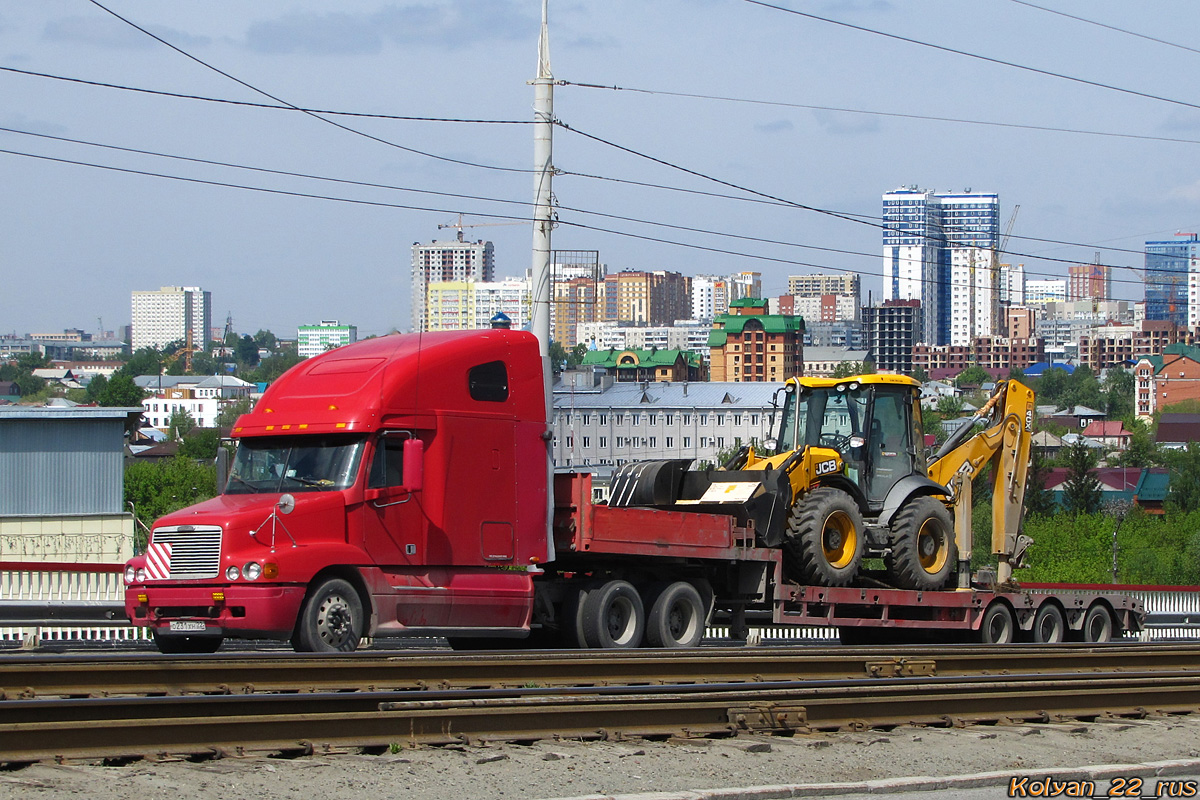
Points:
[(61, 466)]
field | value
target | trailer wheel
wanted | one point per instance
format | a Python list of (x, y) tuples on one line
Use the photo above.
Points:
[(998, 626), (331, 620), (187, 645), (612, 616), (1098, 625), (825, 538), (1049, 625), (676, 617), (923, 554)]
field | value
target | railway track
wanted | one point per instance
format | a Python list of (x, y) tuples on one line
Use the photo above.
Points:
[(991, 685)]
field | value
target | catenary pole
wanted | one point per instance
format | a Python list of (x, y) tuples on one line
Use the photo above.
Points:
[(543, 128)]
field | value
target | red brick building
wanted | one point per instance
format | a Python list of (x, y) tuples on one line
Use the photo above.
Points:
[(748, 344), (1166, 379)]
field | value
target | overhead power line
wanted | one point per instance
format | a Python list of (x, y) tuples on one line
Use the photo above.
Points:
[(892, 114), (295, 107), (976, 56), (1108, 27)]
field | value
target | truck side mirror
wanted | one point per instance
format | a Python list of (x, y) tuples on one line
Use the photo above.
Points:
[(414, 464)]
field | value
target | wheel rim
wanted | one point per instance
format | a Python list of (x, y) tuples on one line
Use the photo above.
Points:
[(680, 621), (335, 622), (999, 629), (931, 546), (1099, 628), (619, 621), (1050, 629), (839, 541)]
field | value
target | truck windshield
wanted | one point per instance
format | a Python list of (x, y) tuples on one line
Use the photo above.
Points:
[(271, 464)]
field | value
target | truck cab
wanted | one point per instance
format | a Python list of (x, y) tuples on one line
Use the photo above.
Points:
[(374, 489)]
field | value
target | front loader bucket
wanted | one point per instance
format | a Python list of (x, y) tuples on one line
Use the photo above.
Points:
[(761, 497)]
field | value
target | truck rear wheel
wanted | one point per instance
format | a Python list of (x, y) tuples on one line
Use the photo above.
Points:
[(825, 538), (1098, 625), (1049, 624), (998, 625), (612, 616), (676, 617), (331, 620), (923, 552)]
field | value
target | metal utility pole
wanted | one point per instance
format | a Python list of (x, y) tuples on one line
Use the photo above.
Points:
[(543, 129)]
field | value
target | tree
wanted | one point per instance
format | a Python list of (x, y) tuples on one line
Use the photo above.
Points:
[(1038, 502), (1016, 374), (1142, 450), (1081, 492), (1083, 389), (180, 424), (973, 375), (1052, 387), (28, 362), (845, 369), (1183, 491), (229, 414), (1118, 393), (246, 352), (266, 340), (156, 489), (201, 444), (120, 392), (920, 375), (146, 361), (949, 406)]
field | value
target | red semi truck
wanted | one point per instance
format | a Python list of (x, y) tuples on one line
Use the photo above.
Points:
[(398, 487)]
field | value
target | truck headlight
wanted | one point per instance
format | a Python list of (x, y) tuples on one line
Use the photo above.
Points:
[(232, 573), (141, 574), (252, 571), (130, 574)]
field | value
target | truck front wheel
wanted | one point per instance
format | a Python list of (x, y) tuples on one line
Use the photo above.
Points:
[(923, 554), (331, 620), (825, 538)]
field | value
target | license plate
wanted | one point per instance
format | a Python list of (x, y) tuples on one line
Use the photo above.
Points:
[(186, 626)]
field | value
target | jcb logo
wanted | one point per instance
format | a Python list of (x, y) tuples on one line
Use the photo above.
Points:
[(1029, 419), (826, 467)]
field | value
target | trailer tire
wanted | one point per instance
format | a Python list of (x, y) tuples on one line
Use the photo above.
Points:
[(331, 620), (825, 538), (923, 554), (1049, 625), (677, 616), (998, 625), (187, 645), (612, 616), (1098, 626)]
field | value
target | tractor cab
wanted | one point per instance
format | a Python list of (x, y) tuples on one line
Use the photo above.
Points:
[(872, 421)]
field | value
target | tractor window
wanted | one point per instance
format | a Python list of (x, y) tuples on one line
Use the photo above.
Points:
[(387, 468), (890, 442), (488, 382), (839, 417)]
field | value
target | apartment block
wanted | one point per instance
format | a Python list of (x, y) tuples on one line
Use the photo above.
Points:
[(455, 261), (646, 298), (171, 314), (748, 344), (893, 329), (312, 340)]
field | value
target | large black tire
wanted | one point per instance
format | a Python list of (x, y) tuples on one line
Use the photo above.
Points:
[(923, 554), (331, 620), (677, 616), (612, 616), (1049, 624), (186, 645), (825, 539), (998, 625), (1098, 626)]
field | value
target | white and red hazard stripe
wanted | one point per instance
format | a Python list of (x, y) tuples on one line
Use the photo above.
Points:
[(158, 561)]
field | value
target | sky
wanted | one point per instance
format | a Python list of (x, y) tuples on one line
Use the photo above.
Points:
[(736, 128)]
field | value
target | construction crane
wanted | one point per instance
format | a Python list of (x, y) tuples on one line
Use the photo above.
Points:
[(460, 225), (1008, 229)]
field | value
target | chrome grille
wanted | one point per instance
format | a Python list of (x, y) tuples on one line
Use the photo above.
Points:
[(195, 550)]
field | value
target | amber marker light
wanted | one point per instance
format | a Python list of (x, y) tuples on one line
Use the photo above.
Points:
[(270, 570), (143, 598), (218, 597)]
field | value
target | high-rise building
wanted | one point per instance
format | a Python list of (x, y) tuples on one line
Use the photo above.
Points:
[(1089, 282), (447, 261), (1169, 269), (745, 284), (576, 280), (710, 297), (1052, 290), (892, 330), (646, 298), (820, 284), (470, 305), (974, 294), (921, 229), (171, 314), (1012, 284), (312, 340), (823, 298)]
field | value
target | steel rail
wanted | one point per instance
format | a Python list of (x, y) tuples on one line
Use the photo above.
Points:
[(38, 675), (32, 730)]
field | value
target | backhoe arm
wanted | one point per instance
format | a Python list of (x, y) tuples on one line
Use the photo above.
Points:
[(1007, 444)]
